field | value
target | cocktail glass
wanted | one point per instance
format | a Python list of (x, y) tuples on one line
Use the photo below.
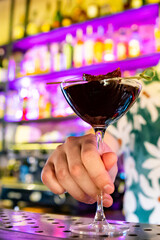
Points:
[(101, 103)]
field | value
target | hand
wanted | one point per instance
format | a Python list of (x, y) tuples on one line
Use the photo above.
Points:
[(77, 167)]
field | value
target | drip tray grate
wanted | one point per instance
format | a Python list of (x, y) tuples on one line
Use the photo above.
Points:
[(20, 225)]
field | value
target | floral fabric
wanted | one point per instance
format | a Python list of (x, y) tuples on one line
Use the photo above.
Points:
[(139, 134)]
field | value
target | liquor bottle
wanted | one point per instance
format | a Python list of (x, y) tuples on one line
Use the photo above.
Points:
[(109, 45), (33, 26), (57, 21), (78, 52), (13, 108), (47, 110), (47, 23), (25, 108), (18, 30), (99, 45), (48, 105), (136, 3), (67, 18), (105, 9), (66, 21), (110, 7), (31, 62), (68, 51), (78, 13), (57, 57), (41, 100), (134, 46), (93, 11), (32, 105), (43, 58), (7, 68), (122, 45), (126, 4), (89, 46), (44, 103), (54, 50), (157, 35), (15, 65)]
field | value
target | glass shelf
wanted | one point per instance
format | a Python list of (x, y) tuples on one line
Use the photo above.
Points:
[(52, 119), (25, 186), (145, 14), (129, 64), (35, 146)]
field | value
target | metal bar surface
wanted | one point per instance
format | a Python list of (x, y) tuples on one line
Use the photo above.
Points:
[(21, 225)]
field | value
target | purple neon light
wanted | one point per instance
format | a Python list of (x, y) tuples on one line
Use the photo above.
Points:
[(102, 68), (144, 15)]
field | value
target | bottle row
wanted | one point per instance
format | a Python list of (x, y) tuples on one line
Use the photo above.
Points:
[(57, 14), (88, 48), (33, 103), (36, 102)]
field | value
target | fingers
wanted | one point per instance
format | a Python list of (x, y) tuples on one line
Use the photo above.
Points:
[(110, 163), (107, 200), (77, 167), (94, 165), (49, 179), (79, 172), (66, 180), (113, 172)]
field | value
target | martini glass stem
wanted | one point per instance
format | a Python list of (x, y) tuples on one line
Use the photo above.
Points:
[(99, 216)]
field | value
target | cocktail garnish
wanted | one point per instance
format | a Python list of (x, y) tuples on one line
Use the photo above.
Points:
[(148, 74), (114, 74)]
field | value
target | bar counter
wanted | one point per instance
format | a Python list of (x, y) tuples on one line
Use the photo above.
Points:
[(21, 225)]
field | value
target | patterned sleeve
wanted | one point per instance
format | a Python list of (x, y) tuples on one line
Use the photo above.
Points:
[(142, 161)]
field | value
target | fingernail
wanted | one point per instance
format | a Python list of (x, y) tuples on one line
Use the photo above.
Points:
[(106, 197), (108, 202), (108, 189)]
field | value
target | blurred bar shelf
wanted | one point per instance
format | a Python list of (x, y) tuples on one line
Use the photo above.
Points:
[(140, 62), (35, 146), (29, 193), (23, 186), (43, 120), (145, 14)]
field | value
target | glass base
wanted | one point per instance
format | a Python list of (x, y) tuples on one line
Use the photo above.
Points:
[(100, 228)]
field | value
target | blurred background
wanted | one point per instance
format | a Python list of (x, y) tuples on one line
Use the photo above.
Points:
[(43, 41)]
